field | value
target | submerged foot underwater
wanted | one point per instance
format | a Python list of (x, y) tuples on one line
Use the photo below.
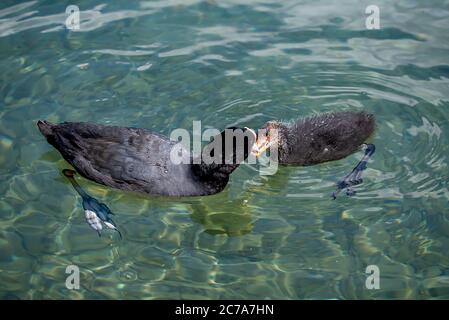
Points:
[(97, 214)]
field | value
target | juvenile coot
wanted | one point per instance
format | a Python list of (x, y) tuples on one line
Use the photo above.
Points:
[(139, 160), (318, 139)]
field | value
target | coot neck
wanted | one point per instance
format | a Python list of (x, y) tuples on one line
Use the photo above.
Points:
[(213, 171), (213, 176)]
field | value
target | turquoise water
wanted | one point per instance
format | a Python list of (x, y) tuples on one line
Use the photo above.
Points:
[(162, 64)]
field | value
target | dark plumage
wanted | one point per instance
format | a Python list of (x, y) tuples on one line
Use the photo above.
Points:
[(321, 138), (139, 160), (135, 159)]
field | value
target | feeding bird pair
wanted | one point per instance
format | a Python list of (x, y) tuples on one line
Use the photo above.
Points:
[(138, 160)]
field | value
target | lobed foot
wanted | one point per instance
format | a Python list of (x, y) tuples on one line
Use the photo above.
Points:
[(100, 215), (97, 214), (355, 177)]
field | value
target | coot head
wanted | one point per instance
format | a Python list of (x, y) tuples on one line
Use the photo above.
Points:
[(236, 144)]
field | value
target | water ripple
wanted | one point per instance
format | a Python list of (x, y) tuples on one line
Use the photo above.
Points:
[(162, 64)]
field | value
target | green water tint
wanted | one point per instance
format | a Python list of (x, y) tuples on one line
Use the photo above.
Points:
[(229, 63)]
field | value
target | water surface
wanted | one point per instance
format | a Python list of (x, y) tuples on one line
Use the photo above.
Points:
[(162, 64)]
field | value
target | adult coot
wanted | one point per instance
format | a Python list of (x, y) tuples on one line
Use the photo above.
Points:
[(139, 160)]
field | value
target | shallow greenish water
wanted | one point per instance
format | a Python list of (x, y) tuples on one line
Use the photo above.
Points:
[(162, 64)]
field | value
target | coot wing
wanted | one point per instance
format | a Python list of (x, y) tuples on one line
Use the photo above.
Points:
[(126, 158)]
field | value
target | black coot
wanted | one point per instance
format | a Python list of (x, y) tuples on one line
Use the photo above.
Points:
[(322, 138), (139, 160)]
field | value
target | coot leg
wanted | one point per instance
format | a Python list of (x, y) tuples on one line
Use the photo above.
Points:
[(97, 213), (355, 177)]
